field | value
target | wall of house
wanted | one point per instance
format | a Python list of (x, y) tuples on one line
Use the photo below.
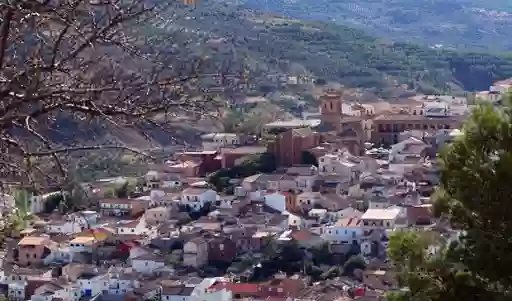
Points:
[(93, 286), (157, 215), (139, 229), (156, 195), (31, 255), (139, 206), (288, 148), (380, 204), (146, 266), (276, 201), (307, 201), (171, 184), (62, 254), (387, 130), (220, 141), (378, 224), (342, 235), (16, 291), (195, 255), (366, 247), (119, 286), (177, 298), (196, 202), (77, 248), (65, 228), (296, 221), (222, 295), (305, 183), (334, 164), (229, 159), (223, 250), (119, 209)]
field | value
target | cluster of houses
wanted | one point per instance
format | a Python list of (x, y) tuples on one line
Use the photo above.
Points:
[(161, 241)]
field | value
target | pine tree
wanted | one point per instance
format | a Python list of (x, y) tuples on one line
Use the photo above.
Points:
[(474, 196)]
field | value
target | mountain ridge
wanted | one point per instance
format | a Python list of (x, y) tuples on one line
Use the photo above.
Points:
[(259, 49), (267, 42), (459, 24)]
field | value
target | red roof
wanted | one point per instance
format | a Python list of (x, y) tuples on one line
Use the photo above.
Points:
[(359, 292)]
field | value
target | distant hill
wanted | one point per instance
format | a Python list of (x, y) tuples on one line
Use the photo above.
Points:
[(462, 24), (268, 44), (259, 49)]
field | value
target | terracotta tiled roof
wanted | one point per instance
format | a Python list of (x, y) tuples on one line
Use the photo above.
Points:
[(419, 213), (32, 285), (348, 222), (33, 241), (303, 235), (178, 290)]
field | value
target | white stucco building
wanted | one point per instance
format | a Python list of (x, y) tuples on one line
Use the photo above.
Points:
[(197, 198), (345, 231)]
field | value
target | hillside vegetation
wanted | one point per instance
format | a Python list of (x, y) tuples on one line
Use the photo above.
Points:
[(461, 24), (268, 45), (263, 48)]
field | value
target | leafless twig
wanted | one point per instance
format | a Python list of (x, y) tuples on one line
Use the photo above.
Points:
[(79, 60)]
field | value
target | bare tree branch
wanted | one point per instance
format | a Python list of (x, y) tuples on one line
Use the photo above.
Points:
[(85, 148), (81, 61), (4, 32)]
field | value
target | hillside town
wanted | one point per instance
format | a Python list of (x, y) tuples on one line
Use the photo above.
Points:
[(304, 212)]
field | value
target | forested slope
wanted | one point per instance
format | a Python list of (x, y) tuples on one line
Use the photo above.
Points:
[(268, 44)]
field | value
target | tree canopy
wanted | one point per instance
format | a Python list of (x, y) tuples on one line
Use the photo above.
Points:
[(259, 163), (473, 197)]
